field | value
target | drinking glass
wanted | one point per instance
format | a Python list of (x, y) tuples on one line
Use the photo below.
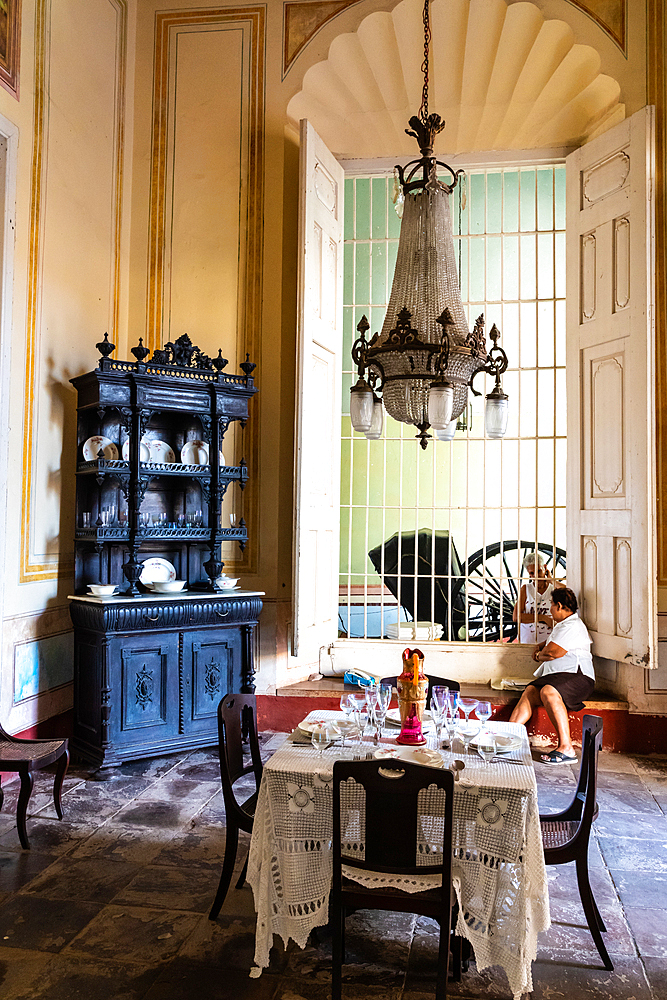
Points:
[(451, 722), (483, 711), (232, 520), (466, 733), (85, 519), (486, 746), (197, 519), (345, 707), (439, 704), (467, 705), (358, 703), (319, 738), (383, 703), (370, 695)]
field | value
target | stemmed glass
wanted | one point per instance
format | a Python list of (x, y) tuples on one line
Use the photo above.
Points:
[(370, 694), (467, 705), (439, 705), (382, 706), (486, 746), (345, 707), (358, 703), (322, 735), (483, 711), (451, 717)]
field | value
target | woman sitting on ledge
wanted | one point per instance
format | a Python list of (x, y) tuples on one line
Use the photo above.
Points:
[(565, 677)]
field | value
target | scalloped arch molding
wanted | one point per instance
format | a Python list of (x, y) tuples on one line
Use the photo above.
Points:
[(503, 77)]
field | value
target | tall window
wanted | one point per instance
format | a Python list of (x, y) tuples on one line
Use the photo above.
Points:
[(464, 512)]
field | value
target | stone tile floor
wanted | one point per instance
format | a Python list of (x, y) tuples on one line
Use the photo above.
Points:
[(112, 903)]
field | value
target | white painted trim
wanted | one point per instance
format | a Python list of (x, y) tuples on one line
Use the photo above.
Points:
[(469, 161), (10, 133)]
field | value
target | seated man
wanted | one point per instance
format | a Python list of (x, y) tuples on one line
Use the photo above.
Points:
[(565, 676)]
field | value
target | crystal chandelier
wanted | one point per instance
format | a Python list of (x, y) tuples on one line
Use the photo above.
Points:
[(422, 363)]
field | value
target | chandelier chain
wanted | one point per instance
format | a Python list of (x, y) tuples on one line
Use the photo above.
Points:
[(423, 111)]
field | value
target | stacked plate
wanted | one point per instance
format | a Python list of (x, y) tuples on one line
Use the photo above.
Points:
[(394, 720), (414, 631), (416, 755), (304, 730), (504, 744)]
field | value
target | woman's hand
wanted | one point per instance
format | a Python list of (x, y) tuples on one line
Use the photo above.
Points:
[(536, 654)]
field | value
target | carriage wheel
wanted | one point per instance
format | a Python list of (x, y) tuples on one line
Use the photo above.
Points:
[(489, 588)]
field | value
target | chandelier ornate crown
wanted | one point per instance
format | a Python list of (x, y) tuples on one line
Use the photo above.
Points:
[(425, 358)]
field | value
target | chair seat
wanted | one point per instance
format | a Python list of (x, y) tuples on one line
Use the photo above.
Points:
[(13, 752), (558, 833)]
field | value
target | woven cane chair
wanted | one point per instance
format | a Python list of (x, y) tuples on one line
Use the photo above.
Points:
[(237, 715), (24, 757), (565, 835), (389, 796)]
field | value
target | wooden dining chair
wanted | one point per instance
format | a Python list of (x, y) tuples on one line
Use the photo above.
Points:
[(566, 834), (24, 757), (391, 789), (237, 716)]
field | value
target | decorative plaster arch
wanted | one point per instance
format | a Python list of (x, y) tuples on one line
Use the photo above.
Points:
[(502, 76)]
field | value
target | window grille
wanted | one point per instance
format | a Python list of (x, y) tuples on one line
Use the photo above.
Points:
[(474, 506)]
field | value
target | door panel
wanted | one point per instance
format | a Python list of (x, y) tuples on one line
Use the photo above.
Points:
[(611, 448), (211, 668), (319, 339)]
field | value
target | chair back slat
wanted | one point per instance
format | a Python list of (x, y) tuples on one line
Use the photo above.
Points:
[(432, 680), (237, 716)]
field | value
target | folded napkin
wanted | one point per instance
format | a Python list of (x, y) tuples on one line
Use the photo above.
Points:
[(510, 684)]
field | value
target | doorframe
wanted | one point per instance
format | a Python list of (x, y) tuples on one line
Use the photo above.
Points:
[(9, 136)]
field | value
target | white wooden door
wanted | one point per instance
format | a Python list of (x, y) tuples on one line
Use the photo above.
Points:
[(317, 433), (611, 555)]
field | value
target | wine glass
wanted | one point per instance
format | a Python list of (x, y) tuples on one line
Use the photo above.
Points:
[(452, 723), (486, 746), (483, 711), (345, 707), (319, 737), (439, 704), (382, 707), (467, 705), (466, 732), (370, 694), (358, 703)]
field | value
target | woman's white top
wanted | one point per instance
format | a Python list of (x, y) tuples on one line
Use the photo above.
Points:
[(570, 634), (536, 631)]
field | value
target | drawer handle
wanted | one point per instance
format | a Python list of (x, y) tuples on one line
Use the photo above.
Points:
[(152, 619), (221, 615)]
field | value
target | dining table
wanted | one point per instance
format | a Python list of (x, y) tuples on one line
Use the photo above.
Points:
[(498, 866)]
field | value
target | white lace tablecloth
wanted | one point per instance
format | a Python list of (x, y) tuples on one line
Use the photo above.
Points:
[(498, 863)]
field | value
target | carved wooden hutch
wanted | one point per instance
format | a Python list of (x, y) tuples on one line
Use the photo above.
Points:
[(151, 668)]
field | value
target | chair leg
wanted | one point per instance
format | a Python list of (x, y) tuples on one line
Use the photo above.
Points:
[(443, 961), (2, 795), (22, 807), (231, 845), (337, 952), (591, 911), (63, 764), (244, 872), (456, 958)]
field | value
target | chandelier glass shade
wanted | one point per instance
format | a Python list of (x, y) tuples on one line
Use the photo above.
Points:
[(425, 358)]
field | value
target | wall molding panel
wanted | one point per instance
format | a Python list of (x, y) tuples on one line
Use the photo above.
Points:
[(204, 268), (48, 263)]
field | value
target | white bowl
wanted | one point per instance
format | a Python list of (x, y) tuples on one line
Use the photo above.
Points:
[(102, 589), (227, 582), (168, 586)]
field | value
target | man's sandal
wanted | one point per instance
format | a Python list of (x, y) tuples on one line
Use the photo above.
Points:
[(557, 757)]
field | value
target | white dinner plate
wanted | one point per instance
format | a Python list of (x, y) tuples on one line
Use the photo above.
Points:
[(161, 453), (416, 755), (345, 725), (503, 743), (157, 570), (92, 446), (194, 453), (144, 451), (394, 719)]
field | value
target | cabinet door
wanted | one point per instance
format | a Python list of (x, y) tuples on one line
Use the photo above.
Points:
[(211, 667), (144, 688)]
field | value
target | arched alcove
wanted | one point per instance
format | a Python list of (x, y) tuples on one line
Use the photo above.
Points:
[(502, 76)]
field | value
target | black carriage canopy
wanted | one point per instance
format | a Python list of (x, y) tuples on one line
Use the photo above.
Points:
[(437, 569)]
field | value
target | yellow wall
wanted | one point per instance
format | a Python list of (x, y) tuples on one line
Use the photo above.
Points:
[(156, 194)]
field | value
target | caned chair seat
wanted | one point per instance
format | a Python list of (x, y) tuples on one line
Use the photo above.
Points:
[(558, 834), (24, 757)]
